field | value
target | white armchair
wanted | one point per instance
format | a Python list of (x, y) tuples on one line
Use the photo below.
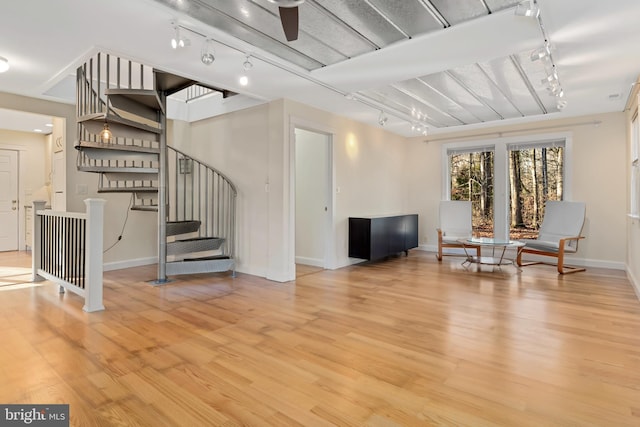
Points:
[(455, 224), (559, 234)]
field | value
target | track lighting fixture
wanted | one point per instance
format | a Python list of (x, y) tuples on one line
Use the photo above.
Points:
[(4, 64), (206, 54), (419, 128), (528, 8), (382, 119), (105, 134), (178, 41), (246, 66), (541, 53), (552, 81)]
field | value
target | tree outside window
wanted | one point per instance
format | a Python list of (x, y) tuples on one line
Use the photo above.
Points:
[(534, 173)]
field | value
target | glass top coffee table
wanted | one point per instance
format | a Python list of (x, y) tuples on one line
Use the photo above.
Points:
[(498, 249)]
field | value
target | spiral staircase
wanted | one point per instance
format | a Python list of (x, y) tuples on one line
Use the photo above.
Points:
[(122, 136)]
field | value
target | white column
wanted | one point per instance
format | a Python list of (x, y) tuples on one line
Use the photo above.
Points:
[(93, 248), (36, 231)]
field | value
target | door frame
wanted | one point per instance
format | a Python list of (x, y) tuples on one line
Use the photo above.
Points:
[(330, 261)]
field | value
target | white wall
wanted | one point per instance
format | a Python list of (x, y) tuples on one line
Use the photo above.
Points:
[(253, 147), (369, 168), (597, 177), (237, 145)]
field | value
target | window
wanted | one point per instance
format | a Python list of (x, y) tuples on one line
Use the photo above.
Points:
[(635, 168), (471, 172), (536, 174), (507, 181)]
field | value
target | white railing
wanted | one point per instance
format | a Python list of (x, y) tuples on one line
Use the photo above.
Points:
[(67, 250)]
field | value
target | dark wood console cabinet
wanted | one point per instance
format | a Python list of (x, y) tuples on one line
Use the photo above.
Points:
[(376, 237)]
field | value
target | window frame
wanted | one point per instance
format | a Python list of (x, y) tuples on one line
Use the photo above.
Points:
[(500, 146)]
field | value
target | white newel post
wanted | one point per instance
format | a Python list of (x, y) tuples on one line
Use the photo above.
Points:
[(93, 248), (36, 231)]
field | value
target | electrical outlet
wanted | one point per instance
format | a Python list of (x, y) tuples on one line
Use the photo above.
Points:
[(82, 189)]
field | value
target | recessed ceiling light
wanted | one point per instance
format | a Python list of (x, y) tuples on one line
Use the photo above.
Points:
[(49, 125), (37, 130)]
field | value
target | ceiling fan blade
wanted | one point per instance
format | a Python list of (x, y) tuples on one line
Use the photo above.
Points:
[(289, 19)]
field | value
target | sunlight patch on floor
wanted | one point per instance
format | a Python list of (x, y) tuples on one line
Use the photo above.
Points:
[(15, 278)]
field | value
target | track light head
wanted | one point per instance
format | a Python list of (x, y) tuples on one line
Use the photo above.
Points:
[(247, 64), (541, 53), (177, 41), (528, 8), (382, 119), (206, 54)]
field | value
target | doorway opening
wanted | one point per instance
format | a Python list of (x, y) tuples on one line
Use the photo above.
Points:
[(313, 199)]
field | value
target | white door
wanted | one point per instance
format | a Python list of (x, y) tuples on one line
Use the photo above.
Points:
[(313, 190), (8, 200)]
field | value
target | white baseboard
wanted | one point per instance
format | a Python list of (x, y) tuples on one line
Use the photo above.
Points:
[(634, 282), (346, 262), (119, 265), (315, 262)]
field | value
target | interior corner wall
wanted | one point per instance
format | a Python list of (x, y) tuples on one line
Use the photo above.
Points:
[(253, 148), (598, 177), (237, 144)]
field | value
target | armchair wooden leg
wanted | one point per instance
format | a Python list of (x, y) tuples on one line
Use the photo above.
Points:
[(566, 269), (521, 263)]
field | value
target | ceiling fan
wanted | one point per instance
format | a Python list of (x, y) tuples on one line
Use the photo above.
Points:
[(289, 17)]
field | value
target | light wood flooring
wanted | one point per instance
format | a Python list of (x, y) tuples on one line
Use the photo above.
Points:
[(405, 342)]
